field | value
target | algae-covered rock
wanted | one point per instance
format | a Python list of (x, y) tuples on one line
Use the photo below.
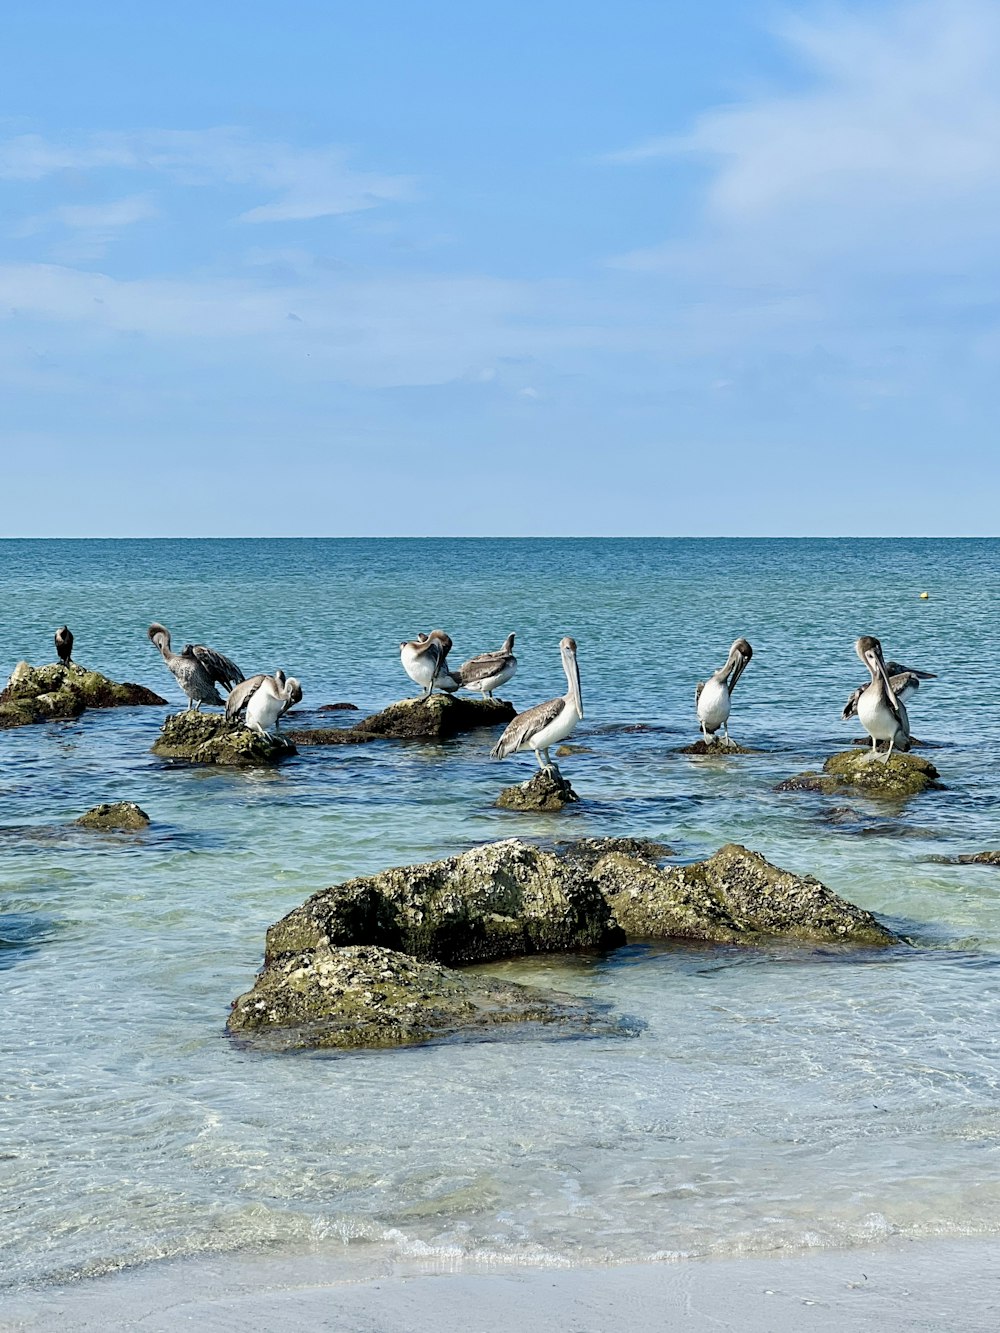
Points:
[(338, 708), (731, 897), (547, 790), (48, 693), (978, 859), (716, 746), (586, 852), (207, 738), (900, 776), (437, 717), (495, 901), (564, 751), (326, 736), (810, 780), (119, 815), (367, 996)]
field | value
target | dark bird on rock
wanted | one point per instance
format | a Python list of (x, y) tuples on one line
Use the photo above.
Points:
[(64, 645)]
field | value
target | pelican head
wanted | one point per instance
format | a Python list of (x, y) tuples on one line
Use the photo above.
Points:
[(439, 636), (508, 644), (869, 650), (567, 649), (739, 655), (292, 690), (159, 636)]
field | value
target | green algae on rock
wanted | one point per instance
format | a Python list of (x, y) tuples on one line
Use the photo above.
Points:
[(496, 901), (56, 691), (207, 738), (437, 718), (978, 859), (716, 746), (118, 815), (368, 996), (900, 776), (735, 896), (543, 791)]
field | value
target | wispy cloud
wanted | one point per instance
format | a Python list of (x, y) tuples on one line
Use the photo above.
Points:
[(303, 183)]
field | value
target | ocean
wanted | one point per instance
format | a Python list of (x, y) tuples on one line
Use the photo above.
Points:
[(775, 1099)]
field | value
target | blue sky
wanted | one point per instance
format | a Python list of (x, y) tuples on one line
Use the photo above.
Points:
[(530, 268)]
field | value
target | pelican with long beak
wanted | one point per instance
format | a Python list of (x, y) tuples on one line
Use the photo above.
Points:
[(486, 672), (549, 723), (905, 682), (197, 669), (713, 697), (425, 661), (266, 700), (880, 710)]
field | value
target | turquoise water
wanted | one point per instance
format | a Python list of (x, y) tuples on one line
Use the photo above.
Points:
[(775, 1099)]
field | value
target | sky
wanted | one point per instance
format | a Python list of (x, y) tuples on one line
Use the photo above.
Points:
[(540, 268)]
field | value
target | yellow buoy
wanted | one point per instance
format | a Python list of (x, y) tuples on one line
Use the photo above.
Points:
[(924, 596)]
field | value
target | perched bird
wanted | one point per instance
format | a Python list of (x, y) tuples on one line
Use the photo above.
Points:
[(549, 723), (425, 661), (880, 710), (64, 645), (905, 682), (713, 697), (486, 672), (266, 700), (197, 669)]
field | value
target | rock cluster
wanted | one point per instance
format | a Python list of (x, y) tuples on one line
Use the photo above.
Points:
[(544, 791), (47, 693), (207, 738), (368, 962), (900, 776)]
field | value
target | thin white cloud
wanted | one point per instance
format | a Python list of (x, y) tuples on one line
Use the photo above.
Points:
[(104, 217), (303, 183)]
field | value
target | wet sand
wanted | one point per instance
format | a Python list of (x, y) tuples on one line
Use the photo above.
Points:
[(946, 1286)]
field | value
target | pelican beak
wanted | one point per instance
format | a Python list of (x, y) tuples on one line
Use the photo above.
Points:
[(875, 657), (572, 668), (738, 669)]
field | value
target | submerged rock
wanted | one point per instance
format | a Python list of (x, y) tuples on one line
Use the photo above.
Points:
[(207, 738), (978, 859), (564, 751), (119, 815), (544, 791), (495, 901), (326, 736), (716, 746), (438, 717), (733, 897), (47, 693), (337, 708), (367, 996)]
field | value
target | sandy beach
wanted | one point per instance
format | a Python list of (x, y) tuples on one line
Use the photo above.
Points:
[(918, 1287)]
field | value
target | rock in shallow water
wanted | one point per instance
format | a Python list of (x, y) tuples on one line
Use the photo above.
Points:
[(438, 718), (900, 776), (48, 693), (544, 791), (716, 746), (207, 738), (119, 815), (367, 996)]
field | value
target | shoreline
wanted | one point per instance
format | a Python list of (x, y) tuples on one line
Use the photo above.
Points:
[(928, 1285)]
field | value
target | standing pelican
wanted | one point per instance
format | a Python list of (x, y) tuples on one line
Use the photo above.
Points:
[(880, 710), (713, 697), (486, 672), (64, 645), (425, 661), (905, 682), (196, 669), (266, 700), (549, 723)]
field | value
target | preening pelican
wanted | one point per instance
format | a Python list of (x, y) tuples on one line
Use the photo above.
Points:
[(64, 645), (713, 697), (488, 671), (425, 661), (880, 710), (905, 682), (197, 669), (549, 723), (266, 700)]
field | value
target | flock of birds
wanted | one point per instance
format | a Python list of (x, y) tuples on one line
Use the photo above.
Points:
[(264, 699)]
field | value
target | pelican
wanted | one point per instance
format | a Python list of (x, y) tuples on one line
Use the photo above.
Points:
[(549, 723), (425, 661), (713, 697), (486, 672), (266, 700), (64, 645), (905, 682), (880, 710), (196, 669)]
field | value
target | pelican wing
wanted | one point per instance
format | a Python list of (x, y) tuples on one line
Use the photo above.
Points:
[(897, 669), (220, 668), (697, 692), (903, 684), (483, 665), (241, 695), (519, 732), (851, 707)]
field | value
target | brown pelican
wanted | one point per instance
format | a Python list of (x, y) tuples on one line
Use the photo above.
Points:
[(905, 682), (880, 710), (488, 671), (64, 645), (266, 700), (549, 723), (713, 697), (196, 669), (425, 661)]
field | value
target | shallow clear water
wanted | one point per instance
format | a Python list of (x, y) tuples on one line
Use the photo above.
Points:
[(776, 1098)]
